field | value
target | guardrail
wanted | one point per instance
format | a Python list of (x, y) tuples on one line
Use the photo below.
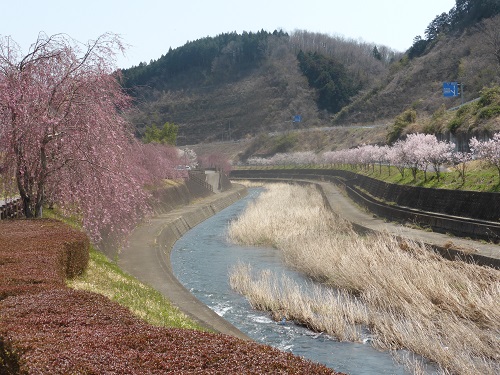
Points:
[(461, 105), (11, 209), (198, 177)]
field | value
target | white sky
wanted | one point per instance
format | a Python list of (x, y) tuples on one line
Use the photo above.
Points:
[(151, 27)]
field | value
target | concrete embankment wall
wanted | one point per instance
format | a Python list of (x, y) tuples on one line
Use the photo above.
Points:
[(182, 195), (167, 198), (147, 254), (194, 214), (472, 204)]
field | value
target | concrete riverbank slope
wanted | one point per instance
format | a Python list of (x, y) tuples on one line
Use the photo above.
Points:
[(147, 255)]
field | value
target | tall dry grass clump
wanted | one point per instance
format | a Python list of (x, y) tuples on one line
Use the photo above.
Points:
[(284, 212), (409, 297), (319, 309)]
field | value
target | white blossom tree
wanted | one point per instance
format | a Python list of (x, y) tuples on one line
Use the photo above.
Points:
[(461, 161), (489, 150)]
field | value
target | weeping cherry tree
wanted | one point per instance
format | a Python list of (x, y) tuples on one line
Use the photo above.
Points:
[(62, 135)]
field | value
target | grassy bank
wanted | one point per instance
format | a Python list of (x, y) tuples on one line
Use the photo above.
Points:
[(477, 176), (104, 277), (407, 296)]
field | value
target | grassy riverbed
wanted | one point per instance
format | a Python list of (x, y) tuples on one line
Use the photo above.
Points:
[(407, 296)]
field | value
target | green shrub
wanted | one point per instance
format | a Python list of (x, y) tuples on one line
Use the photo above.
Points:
[(454, 124), (437, 120), (490, 96), (284, 143), (402, 121), (489, 112)]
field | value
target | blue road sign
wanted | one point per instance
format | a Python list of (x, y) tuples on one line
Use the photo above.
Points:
[(450, 89), (297, 118)]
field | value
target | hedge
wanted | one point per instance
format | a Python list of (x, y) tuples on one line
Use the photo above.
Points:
[(47, 328)]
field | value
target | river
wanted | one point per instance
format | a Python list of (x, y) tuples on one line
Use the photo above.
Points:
[(201, 261)]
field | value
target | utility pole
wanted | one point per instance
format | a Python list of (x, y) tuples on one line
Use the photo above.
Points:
[(462, 85)]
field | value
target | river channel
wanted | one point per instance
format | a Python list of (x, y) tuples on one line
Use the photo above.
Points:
[(201, 261)]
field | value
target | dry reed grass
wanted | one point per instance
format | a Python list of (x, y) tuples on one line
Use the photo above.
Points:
[(319, 309), (447, 311), (249, 183)]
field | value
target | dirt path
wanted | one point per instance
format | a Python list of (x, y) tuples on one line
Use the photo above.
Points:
[(348, 210)]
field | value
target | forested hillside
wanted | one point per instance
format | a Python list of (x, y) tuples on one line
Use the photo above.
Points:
[(233, 86), (462, 46)]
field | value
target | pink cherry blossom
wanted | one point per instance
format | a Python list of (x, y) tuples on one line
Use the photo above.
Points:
[(63, 138)]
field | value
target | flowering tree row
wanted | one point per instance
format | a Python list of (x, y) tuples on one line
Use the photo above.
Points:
[(418, 152), (63, 138), (215, 161)]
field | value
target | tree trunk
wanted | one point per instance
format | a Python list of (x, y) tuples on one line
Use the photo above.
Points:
[(39, 208), (26, 206)]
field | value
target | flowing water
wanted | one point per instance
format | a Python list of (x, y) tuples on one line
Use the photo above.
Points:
[(202, 259)]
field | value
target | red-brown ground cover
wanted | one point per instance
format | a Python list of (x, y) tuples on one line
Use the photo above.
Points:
[(46, 328), (37, 255)]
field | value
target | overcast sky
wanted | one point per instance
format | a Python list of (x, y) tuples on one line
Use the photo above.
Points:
[(151, 27)]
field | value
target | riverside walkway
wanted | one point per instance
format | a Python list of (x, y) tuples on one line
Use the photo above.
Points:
[(147, 254), (345, 208)]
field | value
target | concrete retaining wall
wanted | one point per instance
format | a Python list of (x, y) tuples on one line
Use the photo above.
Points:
[(408, 208), (195, 214), (472, 204), (168, 198)]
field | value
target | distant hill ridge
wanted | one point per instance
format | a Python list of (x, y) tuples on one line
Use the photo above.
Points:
[(236, 85)]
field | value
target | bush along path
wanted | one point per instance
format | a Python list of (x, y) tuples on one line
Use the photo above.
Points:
[(47, 328)]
